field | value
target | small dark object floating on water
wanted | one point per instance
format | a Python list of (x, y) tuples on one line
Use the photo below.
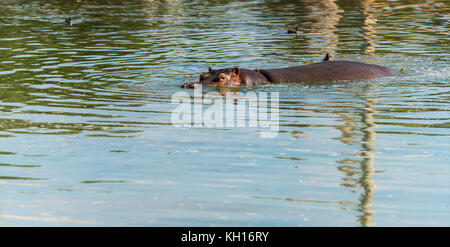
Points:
[(69, 21), (296, 30)]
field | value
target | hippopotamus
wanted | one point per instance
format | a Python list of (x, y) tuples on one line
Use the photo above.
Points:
[(326, 71)]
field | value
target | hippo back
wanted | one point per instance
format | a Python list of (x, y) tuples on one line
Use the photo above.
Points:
[(327, 71), (252, 77)]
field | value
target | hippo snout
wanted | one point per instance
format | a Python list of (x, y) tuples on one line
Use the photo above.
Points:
[(189, 85)]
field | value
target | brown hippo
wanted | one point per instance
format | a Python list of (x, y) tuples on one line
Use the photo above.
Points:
[(325, 71)]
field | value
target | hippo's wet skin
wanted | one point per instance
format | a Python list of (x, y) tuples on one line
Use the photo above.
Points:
[(325, 71)]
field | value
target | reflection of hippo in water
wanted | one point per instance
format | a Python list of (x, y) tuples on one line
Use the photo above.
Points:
[(325, 71)]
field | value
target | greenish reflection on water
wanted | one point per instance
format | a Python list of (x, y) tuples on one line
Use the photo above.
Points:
[(86, 137)]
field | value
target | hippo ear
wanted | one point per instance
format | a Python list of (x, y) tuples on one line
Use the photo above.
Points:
[(236, 70), (210, 69)]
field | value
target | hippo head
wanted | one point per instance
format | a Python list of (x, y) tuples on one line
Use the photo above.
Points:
[(220, 77)]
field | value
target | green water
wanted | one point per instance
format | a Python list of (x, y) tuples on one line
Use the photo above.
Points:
[(86, 137)]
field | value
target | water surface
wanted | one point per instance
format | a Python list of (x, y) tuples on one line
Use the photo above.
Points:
[(85, 115)]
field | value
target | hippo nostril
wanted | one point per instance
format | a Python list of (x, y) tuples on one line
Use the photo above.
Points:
[(187, 85)]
